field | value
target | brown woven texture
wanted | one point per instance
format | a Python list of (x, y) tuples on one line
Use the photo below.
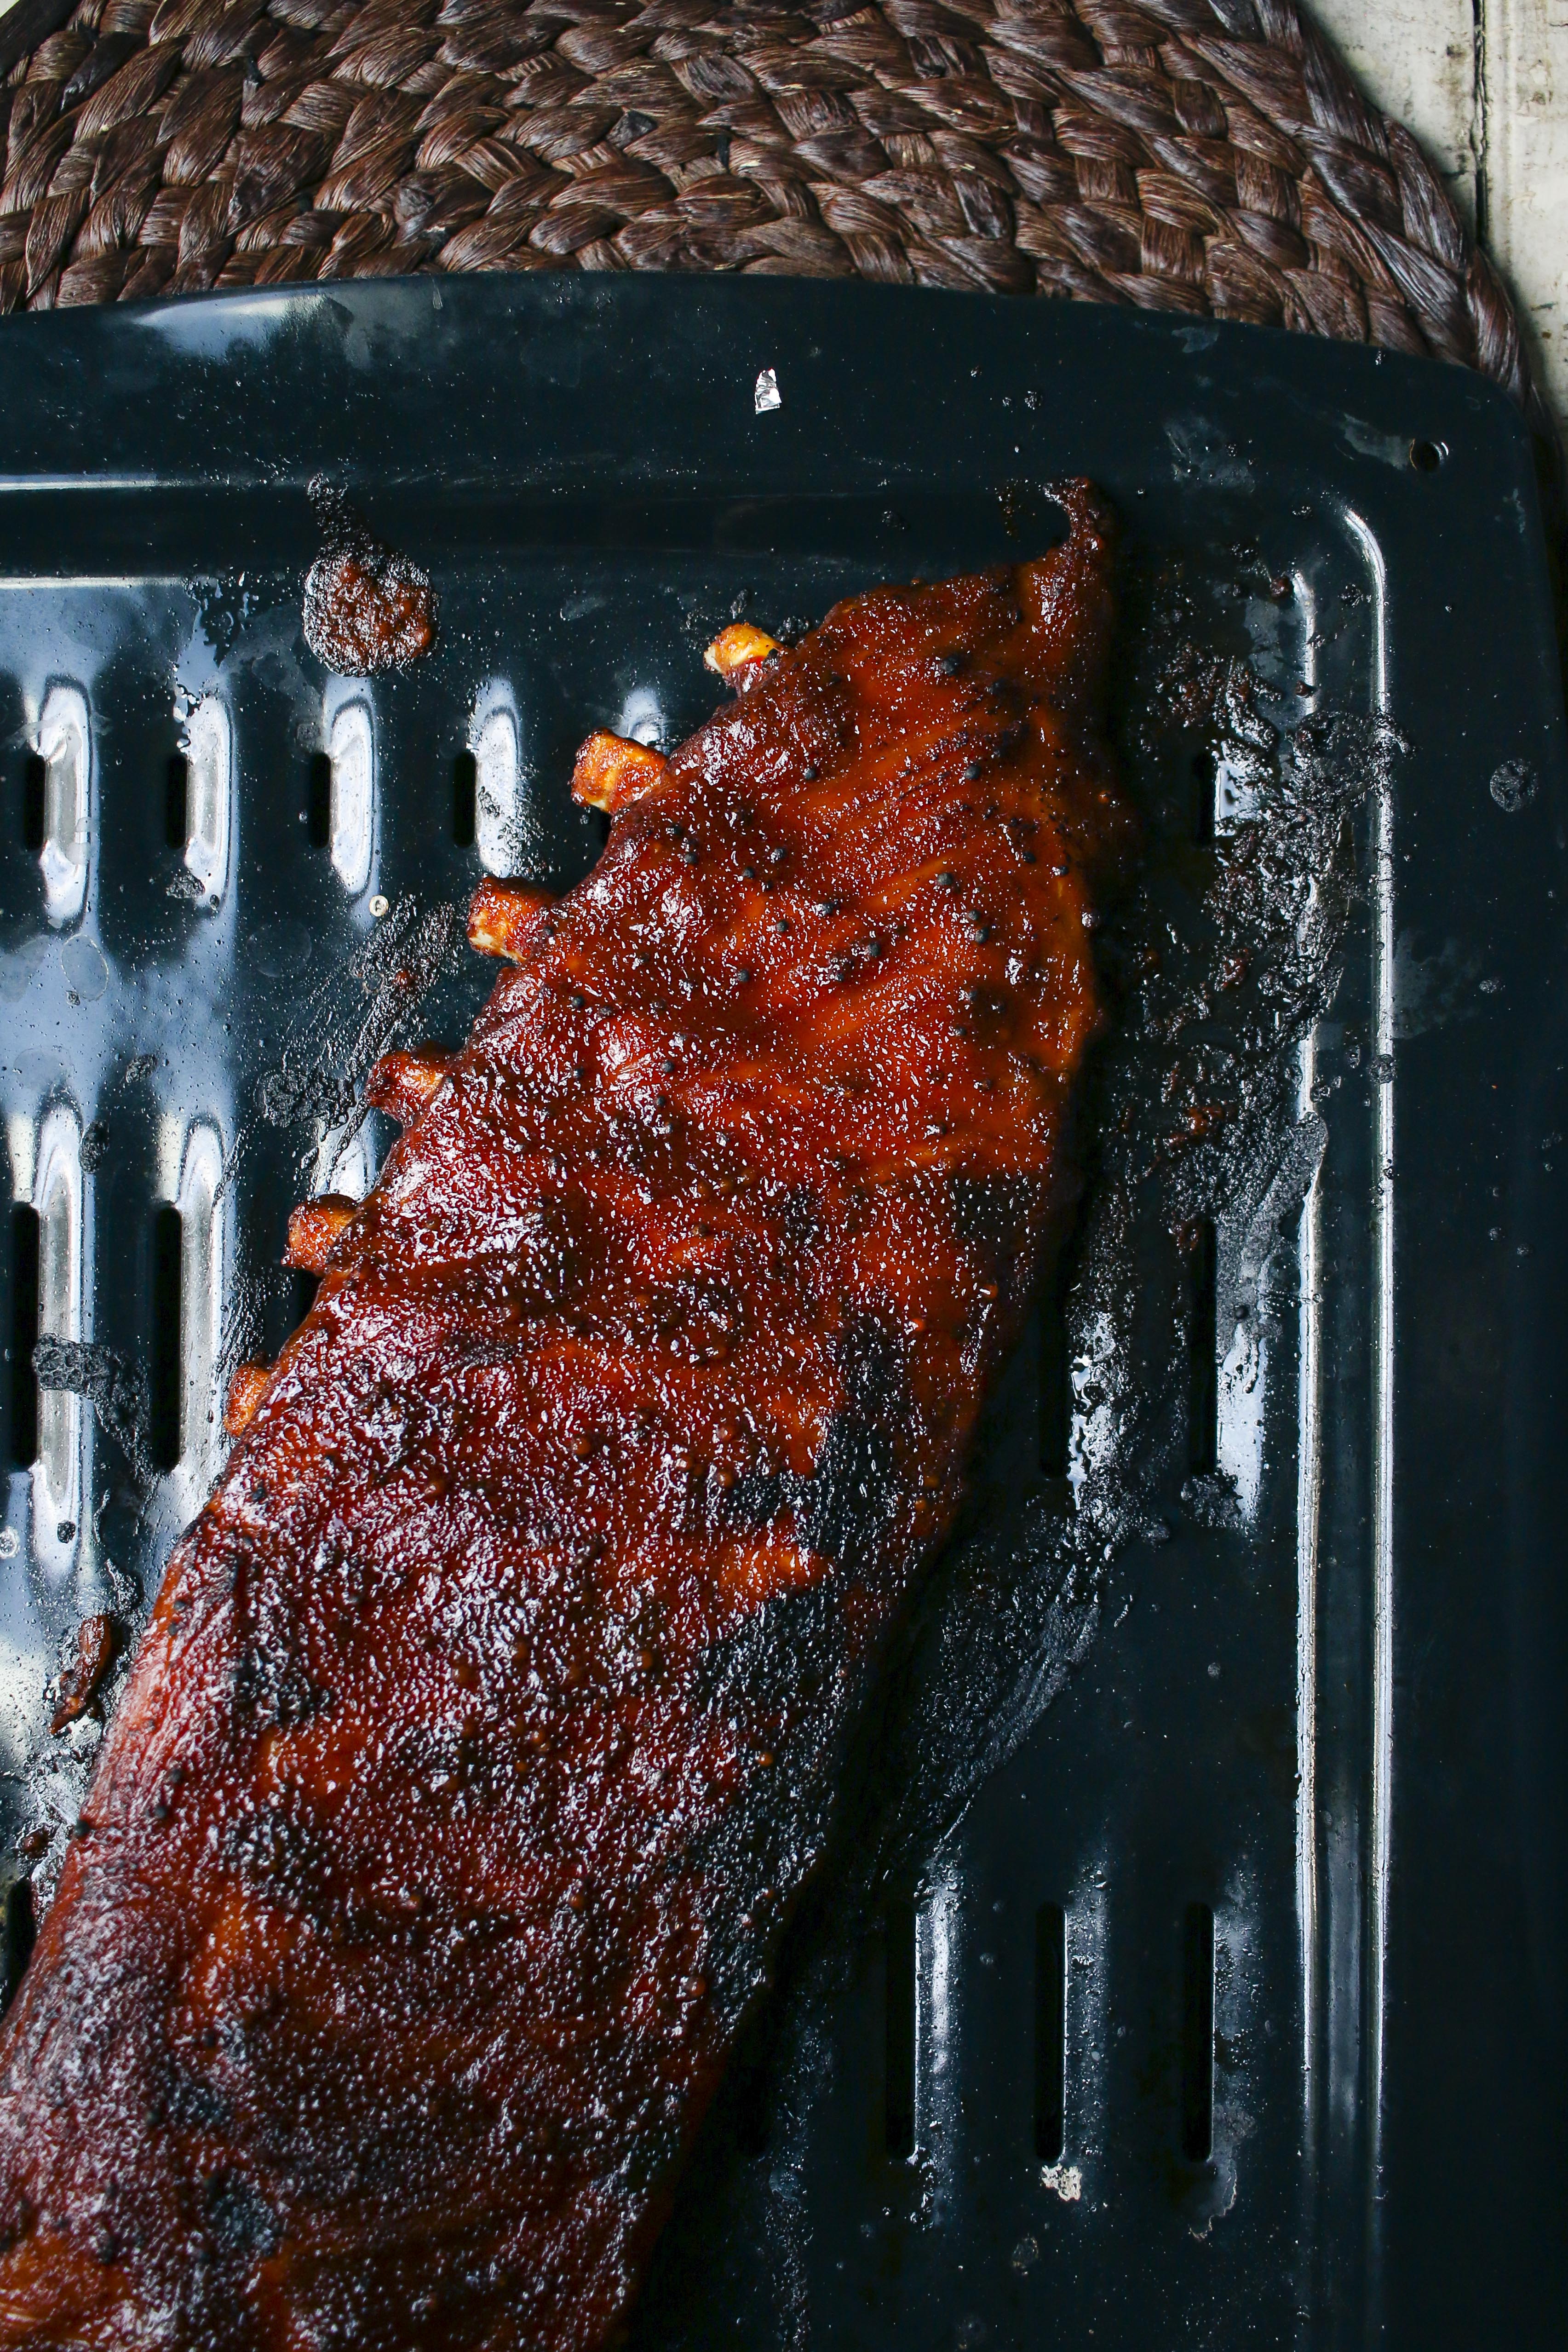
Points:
[(1205, 156)]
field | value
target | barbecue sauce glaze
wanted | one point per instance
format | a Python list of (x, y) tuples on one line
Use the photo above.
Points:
[(490, 1715)]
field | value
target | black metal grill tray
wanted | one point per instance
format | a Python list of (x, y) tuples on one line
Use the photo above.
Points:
[(1271, 1904)]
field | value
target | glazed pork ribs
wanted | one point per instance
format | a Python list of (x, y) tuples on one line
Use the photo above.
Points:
[(490, 1717)]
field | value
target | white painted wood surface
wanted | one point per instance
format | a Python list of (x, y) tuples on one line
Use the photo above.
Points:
[(1484, 86)]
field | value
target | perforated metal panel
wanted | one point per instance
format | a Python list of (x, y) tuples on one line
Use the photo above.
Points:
[(1229, 2010)]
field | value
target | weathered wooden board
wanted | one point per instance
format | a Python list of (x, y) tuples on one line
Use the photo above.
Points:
[(1484, 86)]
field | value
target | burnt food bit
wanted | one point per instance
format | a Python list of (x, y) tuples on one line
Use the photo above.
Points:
[(367, 607), (79, 1681)]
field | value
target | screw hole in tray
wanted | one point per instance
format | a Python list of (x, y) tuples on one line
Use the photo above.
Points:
[(1428, 455)]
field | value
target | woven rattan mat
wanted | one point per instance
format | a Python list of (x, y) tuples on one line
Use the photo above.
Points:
[(1206, 156)]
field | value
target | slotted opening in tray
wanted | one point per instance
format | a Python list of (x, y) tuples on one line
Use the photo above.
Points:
[(1107, 2054)]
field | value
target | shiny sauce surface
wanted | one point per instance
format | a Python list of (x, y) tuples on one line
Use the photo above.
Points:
[(490, 1715)]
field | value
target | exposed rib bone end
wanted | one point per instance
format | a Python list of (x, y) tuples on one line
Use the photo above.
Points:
[(402, 1084), (314, 1230), (244, 1394), (503, 917), (610, 772), (736, 652)]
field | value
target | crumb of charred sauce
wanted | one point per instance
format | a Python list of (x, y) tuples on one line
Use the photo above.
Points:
[(95, 1650), (367, 607), (366, 611)]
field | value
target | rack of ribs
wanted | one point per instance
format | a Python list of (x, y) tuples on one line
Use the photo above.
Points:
[(490, 1717)]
